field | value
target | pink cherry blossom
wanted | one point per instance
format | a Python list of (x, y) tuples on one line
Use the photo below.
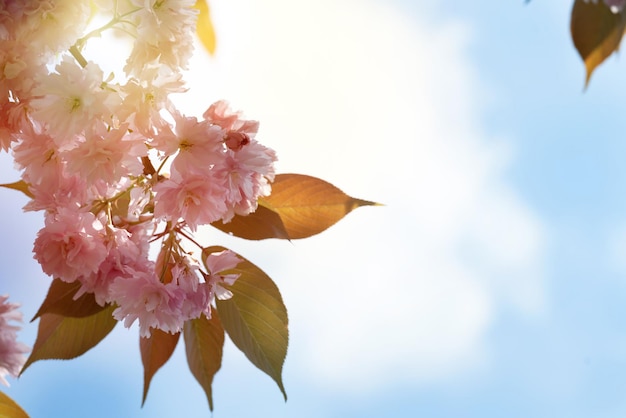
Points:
[(219, 113), (139, 197), (20, 66), (198, 143), (56, 24), (37, 154), (172, 53), (235, 141), (246, 167), (246, 174), (186, 274), (11, 124), (194, 197), (106, 154), (13, 15), (164, 34), (198, 295), (164, 19), (125, 257), (143, 297), (199, 301), (57, 190), (71, 99), (144, 98), (11, 351), (217, 263), (70, 245)]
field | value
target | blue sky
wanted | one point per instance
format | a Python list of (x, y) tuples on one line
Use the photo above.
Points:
[(493, 281)]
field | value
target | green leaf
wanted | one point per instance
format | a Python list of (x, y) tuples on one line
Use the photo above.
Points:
[(204, 27), (155, 352), (20, 186), (60, 301), (308, 205), (263, 223), (63, 338), (204, 344), (596, 32), (10, 409), (255, 318)]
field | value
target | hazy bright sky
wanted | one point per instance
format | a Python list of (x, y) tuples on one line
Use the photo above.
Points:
[(493, 282)]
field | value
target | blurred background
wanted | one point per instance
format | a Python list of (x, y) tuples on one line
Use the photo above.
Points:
[(493, 281)]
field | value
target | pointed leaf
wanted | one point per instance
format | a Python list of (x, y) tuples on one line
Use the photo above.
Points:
[(64, 338), (60, 300), (300, 206), (596, 32), (204, 27), (10, 409), (263, 223), (155, 352), (255, 318), (204, 343), (308, 205), (20, 186)]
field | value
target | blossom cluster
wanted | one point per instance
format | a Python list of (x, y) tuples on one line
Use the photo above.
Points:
[(87, 146), (11, 351)]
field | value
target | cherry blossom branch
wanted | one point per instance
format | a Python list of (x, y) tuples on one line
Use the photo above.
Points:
[(78, 56)]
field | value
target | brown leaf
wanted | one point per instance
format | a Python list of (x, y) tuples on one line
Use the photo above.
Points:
[(204, 344), (60, 300), (300, 206), (64, 338), (20, 186), (10, 409), (263, 223), (308, 205), (155, 352), (596, 32)]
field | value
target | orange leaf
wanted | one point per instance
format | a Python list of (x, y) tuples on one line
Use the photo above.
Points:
[(596, 32), (204, 344), (204, 27), (308, 205), (64, 338), (60, 300), (155, 352), (263, 223), (20, 186), (10, 409)]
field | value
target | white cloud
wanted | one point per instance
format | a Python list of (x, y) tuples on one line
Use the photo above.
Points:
[(388, 109)]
